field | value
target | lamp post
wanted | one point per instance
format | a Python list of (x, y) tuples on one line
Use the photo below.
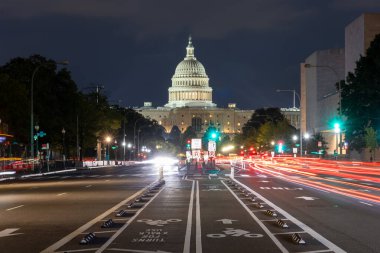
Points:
[(32, 104), (129, 146), (108, 140), (63, 147), (36, 127), (294, 106), (134, 135), (306, 136), (307, 65)]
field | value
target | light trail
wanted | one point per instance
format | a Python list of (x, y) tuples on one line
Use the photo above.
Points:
[(312, 172)]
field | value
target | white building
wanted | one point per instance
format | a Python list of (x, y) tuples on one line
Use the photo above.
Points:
[(190, 103)]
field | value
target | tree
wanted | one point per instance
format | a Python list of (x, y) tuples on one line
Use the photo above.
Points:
[(265, 125), (260, 117), (360, 96), (175, 136), (370, 138)]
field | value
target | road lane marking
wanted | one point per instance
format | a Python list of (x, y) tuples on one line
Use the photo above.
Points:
[(186, 245), (368, 204), (288, 233), (300, 224), (198, 235), (121, 230), (87, 186), (63, 193), (266, 230), (316, 251), (76, 250), (226, 221), (9, 232), (89, 224), (100, 232), (12, 208)]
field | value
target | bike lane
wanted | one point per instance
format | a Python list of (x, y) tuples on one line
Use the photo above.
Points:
[(226, 225), (163, 225)]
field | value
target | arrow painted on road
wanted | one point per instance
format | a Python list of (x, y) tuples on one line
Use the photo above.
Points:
[(226, 221), (8, 232), (139, 251), (306, 198)]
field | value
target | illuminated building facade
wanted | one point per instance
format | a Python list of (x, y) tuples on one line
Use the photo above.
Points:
[(190, 103)]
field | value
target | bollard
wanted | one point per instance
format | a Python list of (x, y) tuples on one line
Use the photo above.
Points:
[(232, 172), (161, 173)]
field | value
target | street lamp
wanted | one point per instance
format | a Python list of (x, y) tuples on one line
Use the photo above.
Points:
[(63, 147), (306, 136), (134, 136), (36, 127), (108, 140), (32, 104), (294, 106)]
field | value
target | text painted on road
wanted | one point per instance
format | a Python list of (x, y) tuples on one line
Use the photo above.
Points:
[(151, 236), (159, 223), (235, 233), (280, 188)]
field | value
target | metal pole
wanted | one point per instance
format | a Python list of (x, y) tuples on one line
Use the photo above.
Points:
[(124, 140), (134, 136), (78, 153)]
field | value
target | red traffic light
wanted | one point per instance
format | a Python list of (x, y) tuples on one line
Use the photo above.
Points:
[(188, 141)]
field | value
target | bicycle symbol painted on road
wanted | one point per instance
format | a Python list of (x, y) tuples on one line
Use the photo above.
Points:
[(235, 233), (159, 223)]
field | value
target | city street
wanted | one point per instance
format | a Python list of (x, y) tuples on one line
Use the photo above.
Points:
[(191, 212)]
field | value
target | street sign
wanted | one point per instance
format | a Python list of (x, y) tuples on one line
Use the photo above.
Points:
[(196, 144), (211, 146), (294, 150), (211, 154), (196, 154), (45, 146), (319, 144)]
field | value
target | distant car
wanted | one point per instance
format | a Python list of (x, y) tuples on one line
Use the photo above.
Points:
[(21, 166), (181, 162)]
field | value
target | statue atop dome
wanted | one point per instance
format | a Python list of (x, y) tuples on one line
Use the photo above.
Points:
[(190, 50)]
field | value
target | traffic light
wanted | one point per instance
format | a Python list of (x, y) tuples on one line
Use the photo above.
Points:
[(188, 144), (337, 127), (213, 135)]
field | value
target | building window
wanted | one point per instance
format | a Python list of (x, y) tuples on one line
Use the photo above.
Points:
[(182, 123), (182, 115), (238, 123), (196, 124), (160, 122), (228, 123)]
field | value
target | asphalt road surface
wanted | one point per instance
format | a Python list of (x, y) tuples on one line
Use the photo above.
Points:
[(128, 209)]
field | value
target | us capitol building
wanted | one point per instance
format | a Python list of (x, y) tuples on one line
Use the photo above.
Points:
[(190, 103)]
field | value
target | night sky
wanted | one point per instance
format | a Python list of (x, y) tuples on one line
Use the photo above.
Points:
[(249, 48)]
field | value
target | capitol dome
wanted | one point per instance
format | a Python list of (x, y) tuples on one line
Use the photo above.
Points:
[(190, 83)]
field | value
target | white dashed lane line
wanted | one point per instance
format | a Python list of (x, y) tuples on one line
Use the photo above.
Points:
[(63, 193), (12, 208)]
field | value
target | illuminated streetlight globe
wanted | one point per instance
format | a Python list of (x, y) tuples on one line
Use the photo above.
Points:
[(295, 137), (108, 139), (306, 136), (272, 143)]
